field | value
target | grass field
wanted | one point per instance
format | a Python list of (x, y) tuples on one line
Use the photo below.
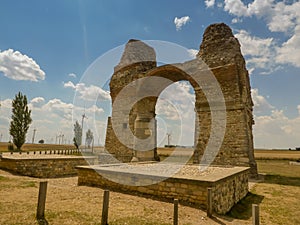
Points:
[(258, 153), (276, 154), (278, 196), (37, 147)]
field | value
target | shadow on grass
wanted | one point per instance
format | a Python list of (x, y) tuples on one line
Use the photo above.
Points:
[(243, 209), (282, 180)]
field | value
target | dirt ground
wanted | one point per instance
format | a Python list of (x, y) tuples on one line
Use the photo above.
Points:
[(68, 203)]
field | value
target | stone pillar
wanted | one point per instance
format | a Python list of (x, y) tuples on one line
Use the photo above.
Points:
[(196, 157), (145, 137)]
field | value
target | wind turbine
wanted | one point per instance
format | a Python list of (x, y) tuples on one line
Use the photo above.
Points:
[(83, 117)]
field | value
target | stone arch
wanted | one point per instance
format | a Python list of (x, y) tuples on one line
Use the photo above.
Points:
[(145, 108), (220, 53)]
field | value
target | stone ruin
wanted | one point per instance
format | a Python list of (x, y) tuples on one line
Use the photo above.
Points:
[(220, 54)]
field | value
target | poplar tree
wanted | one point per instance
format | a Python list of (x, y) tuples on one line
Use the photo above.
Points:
[(77, 135), (89, 138), (21, 119)]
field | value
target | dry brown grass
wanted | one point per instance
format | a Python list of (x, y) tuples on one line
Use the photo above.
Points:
[(68, 203), (258, 153), (277, 154), (281, 192), (278, 196)]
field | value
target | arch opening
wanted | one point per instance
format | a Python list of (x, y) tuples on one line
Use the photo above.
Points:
[(175, 117)]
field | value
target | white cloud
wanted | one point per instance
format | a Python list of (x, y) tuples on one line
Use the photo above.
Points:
[(193, 52), (179, 22), (17, 66), (258, 8), (88, 93), (94, 110), (284, 17), (252, 45), (236, 20), (236, 7), (289, 52), (6, 103), (58, 108), (69, 84), (5, 114), (273, 129), (175, 99), (37, 102), (280, 16), (220, 4), (175, 113), (54, 117), (276, 130), (259, 52), (261, 105), (209, 3), (72, 75)]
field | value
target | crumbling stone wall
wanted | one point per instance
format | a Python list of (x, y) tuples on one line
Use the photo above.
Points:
[(220, 51), (137, 59)]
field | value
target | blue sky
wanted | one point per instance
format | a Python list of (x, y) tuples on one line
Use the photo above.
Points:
[(46, 47)]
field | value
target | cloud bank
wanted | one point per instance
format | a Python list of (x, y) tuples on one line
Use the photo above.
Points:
[(18, 66), (280, 16), (88, 93)]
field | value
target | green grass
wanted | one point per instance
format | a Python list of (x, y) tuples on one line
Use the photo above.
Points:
[(282, 180), (27, 184), (278, 167), (3, 178)]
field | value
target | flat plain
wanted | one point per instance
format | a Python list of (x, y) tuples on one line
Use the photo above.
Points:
[(277, 193)]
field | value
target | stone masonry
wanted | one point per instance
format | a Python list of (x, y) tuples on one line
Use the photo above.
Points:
[(44, 166), (229, 185), (220, 54)]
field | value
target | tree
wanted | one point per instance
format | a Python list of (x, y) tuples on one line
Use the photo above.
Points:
[(77, 134), (21, 119), (89, 138)]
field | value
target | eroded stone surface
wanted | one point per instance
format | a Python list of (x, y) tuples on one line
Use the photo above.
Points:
[(220, 51)]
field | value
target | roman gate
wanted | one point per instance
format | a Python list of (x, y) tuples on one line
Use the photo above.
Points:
[(137, 82)]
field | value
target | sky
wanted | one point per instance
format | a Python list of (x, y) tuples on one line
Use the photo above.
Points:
[(54, 52)]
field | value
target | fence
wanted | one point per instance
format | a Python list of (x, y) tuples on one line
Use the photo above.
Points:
[(49, 152), (40, 215)]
